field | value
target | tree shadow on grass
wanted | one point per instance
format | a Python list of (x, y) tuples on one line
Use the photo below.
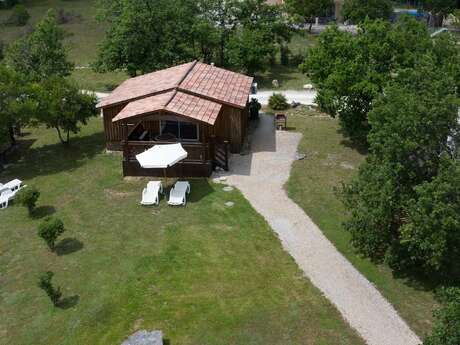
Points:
[(68, 246), (43, 211), (68, 302), (200, 188), (28, 163)]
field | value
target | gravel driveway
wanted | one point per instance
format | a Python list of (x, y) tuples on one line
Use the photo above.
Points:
[(261, 176)]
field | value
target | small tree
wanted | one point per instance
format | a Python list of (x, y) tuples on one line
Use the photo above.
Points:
[(62, 106), (45, 283), (42, 53), (278, 101), (50, 229), (358, 10), (28, 197), (19, 16)]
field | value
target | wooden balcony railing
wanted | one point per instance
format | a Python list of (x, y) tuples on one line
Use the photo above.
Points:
[(197, 152)]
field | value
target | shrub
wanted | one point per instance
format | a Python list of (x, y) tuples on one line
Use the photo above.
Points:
[(278, 101), (49, 230), (2, 50), (446, 330), (45, 283), (19, 16), (28, 197)]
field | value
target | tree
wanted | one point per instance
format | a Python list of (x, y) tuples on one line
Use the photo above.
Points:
[(439, 9), (146, 35), (63, 107), (350, 72), (49, 230), (42, 53), (28, 197), (16, 105), (405, 178), (308, 10), (446, 330), (358, 10), (46, 284)]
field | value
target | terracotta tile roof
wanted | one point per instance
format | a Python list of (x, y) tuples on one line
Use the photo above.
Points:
[(194, 107), (218, 84), (194, 90), (175, 102), (147, 84), (145, 105)]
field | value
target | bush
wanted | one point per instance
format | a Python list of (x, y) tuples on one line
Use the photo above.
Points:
[(49, 230), (28, 197), (19, 16), (45, 283), (446, 329), (278, 101), (2, 50)]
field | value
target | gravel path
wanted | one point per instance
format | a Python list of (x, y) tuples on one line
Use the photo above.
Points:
[(261, 176), (306, 97)]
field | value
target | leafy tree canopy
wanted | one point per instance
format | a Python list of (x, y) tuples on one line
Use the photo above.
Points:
[(358, 10), (351, 71), (61, 105), (308, 10), (404, 202), (42, 53), (150, 35)]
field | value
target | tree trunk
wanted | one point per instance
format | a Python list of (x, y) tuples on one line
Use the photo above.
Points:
[(11, 134), (60, 136), (310, 26)]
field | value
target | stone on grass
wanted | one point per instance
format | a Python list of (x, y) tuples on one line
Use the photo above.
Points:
[(227, 189), (229, 204), (145, 338)]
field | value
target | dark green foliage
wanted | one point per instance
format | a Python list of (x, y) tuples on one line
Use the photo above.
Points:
[(278, 101), (46, 284), (9, 3), (351, 71), (50, 229), (19, 16), (28, 197), (446, 330), (358, 10), (16, 105), (405, 200), (42, 53), (305, 11), (146, 36), (2, 50), (63, 107)]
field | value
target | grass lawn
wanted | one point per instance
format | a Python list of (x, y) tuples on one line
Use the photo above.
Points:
[(330, 160), (204, 273)]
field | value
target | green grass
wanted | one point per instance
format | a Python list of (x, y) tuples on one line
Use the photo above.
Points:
[(331, 159), (289, 77), (84, 35), (204, 273)]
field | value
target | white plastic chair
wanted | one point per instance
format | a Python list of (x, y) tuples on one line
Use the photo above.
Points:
[(151, 194), (177, 195)]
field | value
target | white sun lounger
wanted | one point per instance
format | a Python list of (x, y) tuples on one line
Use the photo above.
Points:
[(14, 186), (5, 197), (151, 194), (177, 195)]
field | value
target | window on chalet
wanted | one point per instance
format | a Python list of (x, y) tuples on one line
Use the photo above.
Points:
[(182, 130)]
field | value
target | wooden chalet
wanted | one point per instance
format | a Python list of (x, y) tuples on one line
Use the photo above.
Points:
[(203, 107)]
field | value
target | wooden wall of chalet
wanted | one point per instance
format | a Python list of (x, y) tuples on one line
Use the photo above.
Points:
[(231, 125), (113, 131)]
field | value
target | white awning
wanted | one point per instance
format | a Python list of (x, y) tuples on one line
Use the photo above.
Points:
[(161, 156)]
